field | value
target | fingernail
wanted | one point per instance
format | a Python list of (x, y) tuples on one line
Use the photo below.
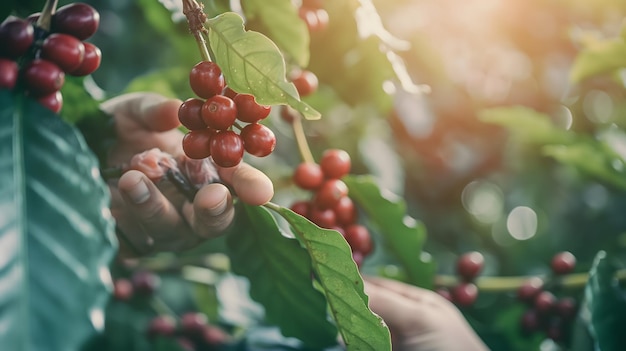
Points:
[(139, 193), (219, 209)]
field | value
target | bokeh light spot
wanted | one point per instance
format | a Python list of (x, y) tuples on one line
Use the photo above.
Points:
[(484, 200), (522, 223)]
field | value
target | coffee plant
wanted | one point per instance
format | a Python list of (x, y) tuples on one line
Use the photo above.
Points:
[(500, 128)]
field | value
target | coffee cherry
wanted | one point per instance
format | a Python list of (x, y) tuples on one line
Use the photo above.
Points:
[(359, 238), (530, 322), (529, 289), (122, 289), (219, 112), (345, 211), (197, 143), (43, 77), (53, 101), (145, 283), (190, 114), (465, 294), (329, 194), (162, 326), (8, 73), (248, 110), (206, 79), (544, 302), (16, 37), (469, 265), (64, 50), (301, 208), (308, 176), (306, 83), (77, 19), (563, 263), (214, 336), (193, 323), (258, 140), (335, 163), (323, 218), (566, 308), (91, 61), (226, 148)]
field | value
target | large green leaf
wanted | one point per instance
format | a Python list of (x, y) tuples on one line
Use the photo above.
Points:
[(279, 20), (402, 234), (341, 282), (599, 57), (604, 306), (56, 231), (280, 277), (253, 64)]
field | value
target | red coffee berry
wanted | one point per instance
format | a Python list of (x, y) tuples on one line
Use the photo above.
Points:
[(308, 176), (16, 37), (258, 140), (345, 211), (469, 265), (43, 77), (301, 208), (566, 308), (8, 73), (206, 79), (53, 101), (563, 263), (145, 283), (306, 83), (329, 193), (214, 336), (335, 163), (544, 302), (465, 294), (190, 114), (193, 323), (228, 92), (122, 289), (197, 143), (77, 19), (530, 322), (91, 61), (226, 148), (219, 112), (529, 289), (161, 325), (359, 238), (64, 50), (323, 218), (248, 110)]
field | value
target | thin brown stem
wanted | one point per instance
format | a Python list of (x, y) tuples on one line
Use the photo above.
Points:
[(196, 19)]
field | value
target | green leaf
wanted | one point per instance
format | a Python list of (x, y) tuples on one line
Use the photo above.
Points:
[(279, 20), (527, 124), (604, 306), (279, 271), (253, 64), (402, 234), (56, 231), (341, 282), (597, 58)]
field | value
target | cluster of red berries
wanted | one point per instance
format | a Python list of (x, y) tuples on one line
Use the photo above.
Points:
[(468, 267), (330, 206), (547, 313), (211, 118), (40, 58), (315, 17), (192, 330)]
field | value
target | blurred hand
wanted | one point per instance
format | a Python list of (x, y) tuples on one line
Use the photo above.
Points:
[(420, 319), (155, 217)]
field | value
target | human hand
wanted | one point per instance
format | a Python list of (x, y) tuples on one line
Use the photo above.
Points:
[(156, 217), (420, 319)]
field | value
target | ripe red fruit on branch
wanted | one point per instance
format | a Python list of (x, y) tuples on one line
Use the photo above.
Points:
[(529, 289), (161, 325), (345, 211), (197, 143), (335, 163), (329, 193), (465, 294), (544, 302), (53, 101), (77, 19), (308, 175), (306, 82), (193, 323), (190, 114), (563, 263), (206, 79), (64, 50), (248, 110), (43, 77), (16, 37), (122, 289), (323, 218), (145, 283), (91, 61), (359, 238), (219, 112), (8, 73), (226, 148), (469, 265), (301, 208), (258, 140)]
